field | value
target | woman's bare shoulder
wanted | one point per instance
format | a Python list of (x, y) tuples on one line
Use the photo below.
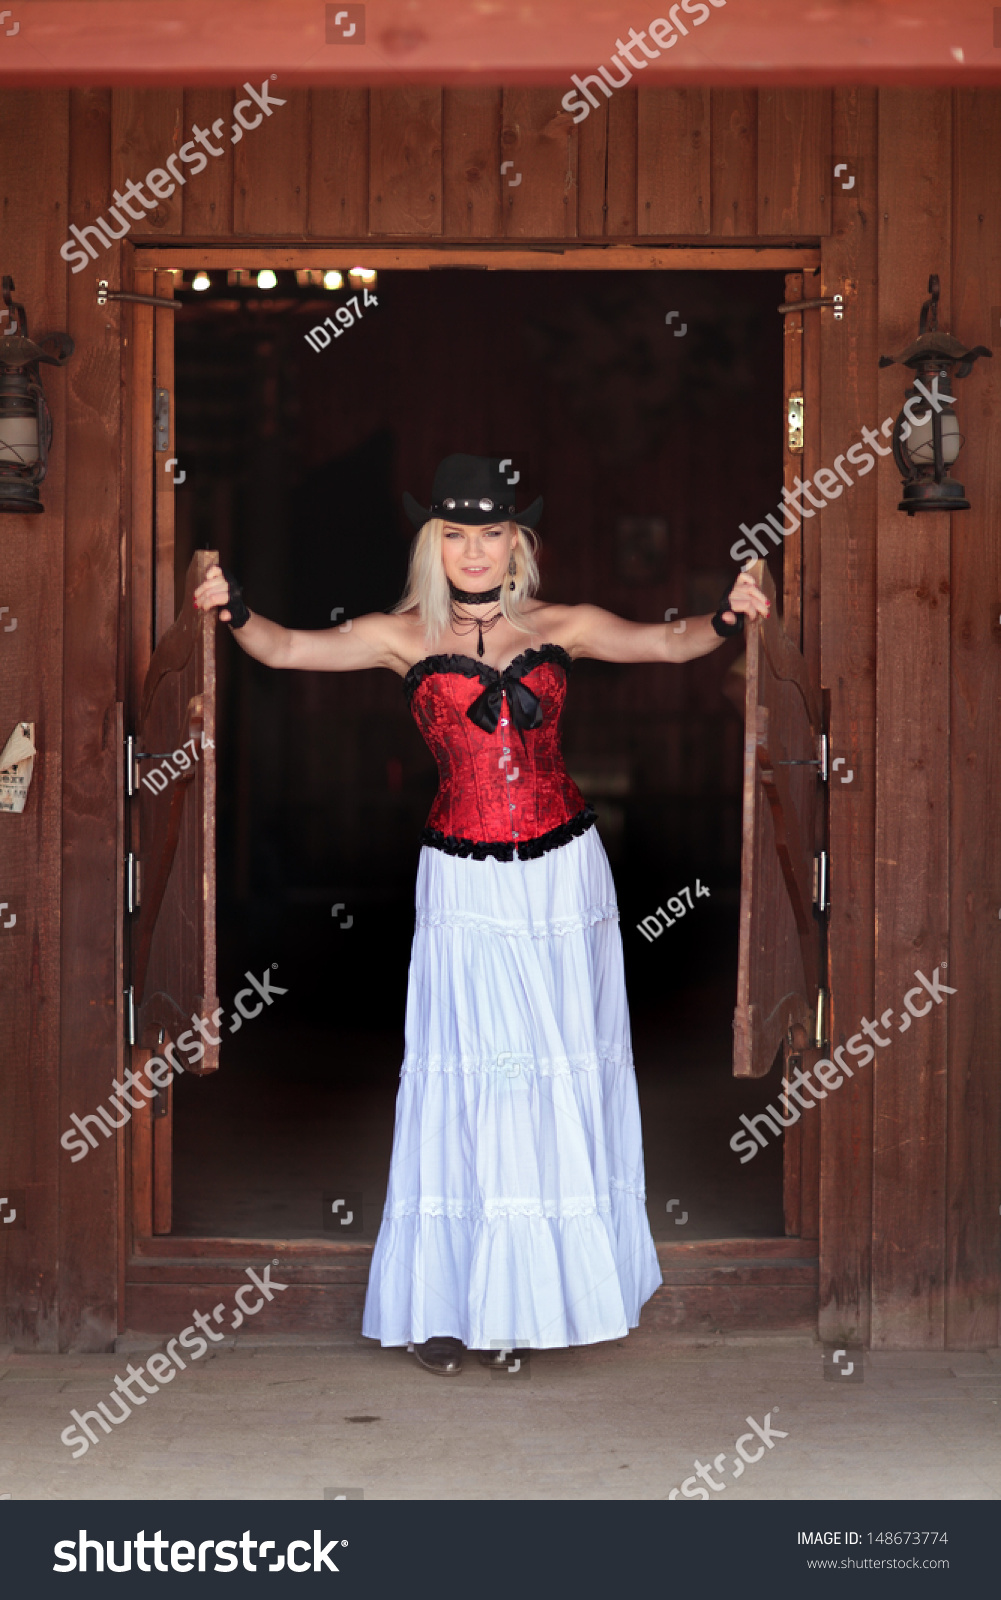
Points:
[(552, 623), (404, 634)]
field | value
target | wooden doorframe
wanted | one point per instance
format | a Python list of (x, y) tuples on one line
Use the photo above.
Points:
[(774, 1270)]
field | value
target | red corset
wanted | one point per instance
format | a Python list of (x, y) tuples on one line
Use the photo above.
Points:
[(502, 786)]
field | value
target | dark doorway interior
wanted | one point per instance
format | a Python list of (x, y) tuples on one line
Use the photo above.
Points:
[(650, 447)]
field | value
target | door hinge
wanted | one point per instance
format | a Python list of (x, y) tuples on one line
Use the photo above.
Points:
[(130, 1015), (794, 424), (161, 423), (820, 1021), (131, 772), (132, 886), (820, 893)]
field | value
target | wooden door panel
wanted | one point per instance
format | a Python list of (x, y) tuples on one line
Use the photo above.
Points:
[(779, 969), (174, 949)]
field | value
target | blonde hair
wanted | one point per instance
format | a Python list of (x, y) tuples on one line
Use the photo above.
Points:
[(427, 586)]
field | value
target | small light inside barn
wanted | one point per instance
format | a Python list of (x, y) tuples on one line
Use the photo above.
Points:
[(266, 279), (926, 436), (25, 423), (201, 280), (359, 275), (333, 280)]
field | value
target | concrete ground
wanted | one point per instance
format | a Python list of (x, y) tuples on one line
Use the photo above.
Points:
[(621, 1421)]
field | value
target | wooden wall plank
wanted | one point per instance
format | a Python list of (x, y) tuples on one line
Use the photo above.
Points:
[(471, 144), (338, 163), (142, 487), (912, 775), (592, 162), (795, 173), (606, 140), (848, 674), (621, 165), (734, 118), (973, 1227), (90, 1039), (674, 176), (541, 140), (809, 462), (792, 461), (164, 607), (146, 128), (208, 194), (405, 168), (271, 171), (33, 203)]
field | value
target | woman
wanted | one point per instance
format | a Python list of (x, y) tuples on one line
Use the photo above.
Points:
[(515, 1216)]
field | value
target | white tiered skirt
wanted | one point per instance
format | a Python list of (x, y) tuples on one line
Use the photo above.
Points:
[(516, 1211)]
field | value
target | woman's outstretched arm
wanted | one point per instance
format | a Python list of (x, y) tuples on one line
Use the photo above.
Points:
[(606, 637), (372, 641)]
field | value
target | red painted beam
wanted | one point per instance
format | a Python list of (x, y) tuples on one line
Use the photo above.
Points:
[(46, 43)]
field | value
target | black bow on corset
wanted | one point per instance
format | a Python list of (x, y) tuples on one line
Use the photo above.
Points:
[(526, 711)]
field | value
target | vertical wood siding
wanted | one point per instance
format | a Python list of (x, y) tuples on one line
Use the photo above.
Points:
[(35, 128), (912, 758), (91, 1035), (849, 357), (973, 1179)]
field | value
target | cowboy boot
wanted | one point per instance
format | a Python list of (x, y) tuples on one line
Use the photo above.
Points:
[(442, 1356)]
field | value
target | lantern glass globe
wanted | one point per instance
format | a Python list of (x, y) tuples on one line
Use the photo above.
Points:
[(920, 445)]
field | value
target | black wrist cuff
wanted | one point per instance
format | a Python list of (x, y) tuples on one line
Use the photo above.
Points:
[(727, 629), (235, 605)]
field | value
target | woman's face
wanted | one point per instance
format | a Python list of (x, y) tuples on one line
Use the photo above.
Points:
[(476, 558)]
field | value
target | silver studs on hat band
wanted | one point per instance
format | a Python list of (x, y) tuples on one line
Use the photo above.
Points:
[(472, 505)]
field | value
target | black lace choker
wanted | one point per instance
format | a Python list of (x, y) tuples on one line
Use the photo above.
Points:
[(483, 597)]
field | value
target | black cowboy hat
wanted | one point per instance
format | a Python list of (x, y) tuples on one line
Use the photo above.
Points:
[(473, 489)]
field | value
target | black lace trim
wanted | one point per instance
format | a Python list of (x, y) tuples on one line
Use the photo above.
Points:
[(527, 849), (469, 667)]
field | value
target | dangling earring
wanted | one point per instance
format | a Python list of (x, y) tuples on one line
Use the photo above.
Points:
[(512, 569)]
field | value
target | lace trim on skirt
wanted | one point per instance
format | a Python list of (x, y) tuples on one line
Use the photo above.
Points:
[(489, 1210), (514, 1061), (559, 927)]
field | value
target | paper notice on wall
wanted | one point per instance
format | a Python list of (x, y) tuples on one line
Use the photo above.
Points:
[(16, 763)]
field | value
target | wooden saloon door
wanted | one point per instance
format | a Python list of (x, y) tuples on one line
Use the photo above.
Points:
[(173, 939), (779, 973)]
